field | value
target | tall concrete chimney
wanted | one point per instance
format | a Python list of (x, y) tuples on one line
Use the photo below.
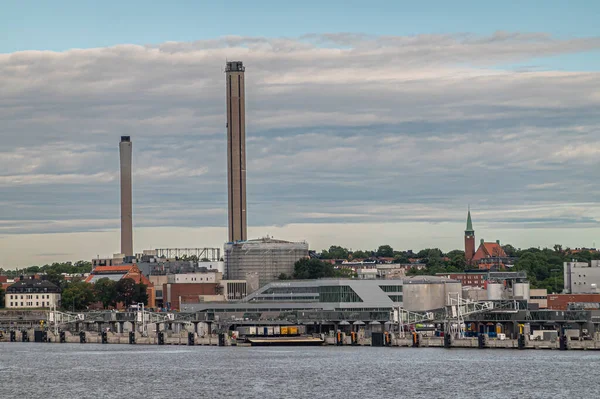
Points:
[(126, 207), (236, 150)]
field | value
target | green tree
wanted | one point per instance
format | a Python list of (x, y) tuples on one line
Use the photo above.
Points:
[(106, 292), (56, 278), (361, 254), (430, 253), (401, 257), (32, 269), (335, 252), (312, 269), (509, 250), (385, 251), (78, 296), (141, 294), (126, 291), (457, 261), (344, 272), (82, 266)]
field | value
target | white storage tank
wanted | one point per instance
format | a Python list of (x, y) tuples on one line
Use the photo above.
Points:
[(521, 291), (495, 291)]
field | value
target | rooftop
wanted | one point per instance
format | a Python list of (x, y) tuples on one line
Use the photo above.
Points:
[(235, 66), (35, 285)]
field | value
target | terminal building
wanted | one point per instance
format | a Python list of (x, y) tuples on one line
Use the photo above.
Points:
[(419, 293)]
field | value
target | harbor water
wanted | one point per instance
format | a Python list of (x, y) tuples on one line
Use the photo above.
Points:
[(30, 370)]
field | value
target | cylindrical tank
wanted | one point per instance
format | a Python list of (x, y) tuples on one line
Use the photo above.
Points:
[(494, 291), (521, 291)]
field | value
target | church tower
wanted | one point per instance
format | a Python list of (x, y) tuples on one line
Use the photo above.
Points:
[(469, 240)]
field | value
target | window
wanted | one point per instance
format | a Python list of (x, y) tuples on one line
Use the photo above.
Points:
[(338, 293), (396, 298), (391, 288)]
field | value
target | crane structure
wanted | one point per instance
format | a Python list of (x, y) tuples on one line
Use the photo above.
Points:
[(452, 315)]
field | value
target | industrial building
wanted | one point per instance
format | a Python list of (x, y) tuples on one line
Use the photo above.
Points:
[(539, 297), (265, 257), (581, 277), (469, 278), (236, 150), (176, 291), (573, 301)]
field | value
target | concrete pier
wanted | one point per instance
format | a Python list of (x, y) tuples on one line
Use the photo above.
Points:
[(181, 338)]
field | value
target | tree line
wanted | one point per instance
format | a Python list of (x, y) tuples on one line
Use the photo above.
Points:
[(544, 267), (79, 295)]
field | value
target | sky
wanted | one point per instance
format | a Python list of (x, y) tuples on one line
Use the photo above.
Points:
[(368, 123)]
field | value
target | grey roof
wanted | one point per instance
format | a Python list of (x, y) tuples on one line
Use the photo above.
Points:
[(35, 284), (113, 277)]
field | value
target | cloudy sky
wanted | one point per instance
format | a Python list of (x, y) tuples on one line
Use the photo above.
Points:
[(375, 126)]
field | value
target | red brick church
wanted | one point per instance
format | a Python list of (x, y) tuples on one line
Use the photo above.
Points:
[(489, 255)]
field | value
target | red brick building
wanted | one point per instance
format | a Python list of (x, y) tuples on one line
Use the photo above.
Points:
[(489, 255), (468, 279), (562, 301), (469, 240), (187, 293)]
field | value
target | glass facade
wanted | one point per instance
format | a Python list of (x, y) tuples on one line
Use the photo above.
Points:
[(338, 293), (396, 298), (291, 290), (391, 288)]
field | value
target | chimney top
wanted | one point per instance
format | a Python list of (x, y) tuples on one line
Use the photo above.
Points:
[(235, 66), (125, 139)]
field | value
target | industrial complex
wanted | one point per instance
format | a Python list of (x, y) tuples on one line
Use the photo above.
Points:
[(242, 293)]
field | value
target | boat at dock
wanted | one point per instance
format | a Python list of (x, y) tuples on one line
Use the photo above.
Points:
[(285, 341)]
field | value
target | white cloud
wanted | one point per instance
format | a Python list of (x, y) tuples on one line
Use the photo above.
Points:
[(340, 127)]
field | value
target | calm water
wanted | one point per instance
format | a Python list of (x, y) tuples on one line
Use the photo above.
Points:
[(29, 370)]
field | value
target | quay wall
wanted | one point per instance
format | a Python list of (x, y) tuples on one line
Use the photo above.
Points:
[(181, 338)]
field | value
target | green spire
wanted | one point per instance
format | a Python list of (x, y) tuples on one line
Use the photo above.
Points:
[(469, 223)]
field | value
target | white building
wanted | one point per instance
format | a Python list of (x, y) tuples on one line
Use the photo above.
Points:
[(195, 278), (32, 293), (581, 277)]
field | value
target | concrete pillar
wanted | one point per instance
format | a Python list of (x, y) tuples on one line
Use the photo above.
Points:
[(195, 327)]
